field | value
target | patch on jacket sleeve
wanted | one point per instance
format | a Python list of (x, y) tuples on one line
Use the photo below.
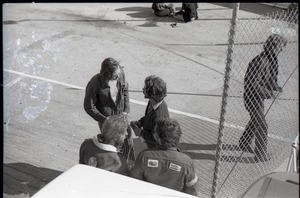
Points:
[(152, 163), (92, 161), (175, 167)]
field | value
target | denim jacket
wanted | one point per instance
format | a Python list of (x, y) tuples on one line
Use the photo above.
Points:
[(98, 102)]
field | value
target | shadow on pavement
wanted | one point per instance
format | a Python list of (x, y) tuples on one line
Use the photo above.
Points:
[(183, 147), (189, 146), (25, 179), (234, 159), (256, 8), (200, 156), (148, 15)]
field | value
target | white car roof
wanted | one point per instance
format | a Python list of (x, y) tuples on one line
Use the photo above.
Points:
[(82, 181)]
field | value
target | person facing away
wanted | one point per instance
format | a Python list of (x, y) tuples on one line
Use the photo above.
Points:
[(162, 9), (188, 12), (107, 92), (261, 83), (164, 164), (103, 151), (155, 89)]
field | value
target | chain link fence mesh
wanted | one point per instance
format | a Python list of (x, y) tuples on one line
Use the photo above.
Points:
[(261, 121)]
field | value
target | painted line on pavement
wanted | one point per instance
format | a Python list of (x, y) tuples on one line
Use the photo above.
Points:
[(143, 103), (43, 79), (8, 85)]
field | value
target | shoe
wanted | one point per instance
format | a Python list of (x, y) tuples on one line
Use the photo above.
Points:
[(262, 158), (173, 25)]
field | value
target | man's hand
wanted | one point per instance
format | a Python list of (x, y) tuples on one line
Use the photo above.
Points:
[(135, 124), (124, 116), (269, 94), (280, 89)]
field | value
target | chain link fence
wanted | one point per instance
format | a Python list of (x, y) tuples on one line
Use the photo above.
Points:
[(259, 113)]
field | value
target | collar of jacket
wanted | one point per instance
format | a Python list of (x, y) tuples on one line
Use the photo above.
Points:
[(161, 147), (106, 147), (104, 80)]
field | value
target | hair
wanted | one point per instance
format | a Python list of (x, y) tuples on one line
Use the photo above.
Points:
[(167, 132), (273, 40), (112, 128), (155, 88), (108, 66)]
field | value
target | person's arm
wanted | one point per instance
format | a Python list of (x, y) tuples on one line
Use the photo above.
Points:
[(140, 122), (90, 101), (81, 154), (191, 185), (137, 171), (274, 78), (126, 98)]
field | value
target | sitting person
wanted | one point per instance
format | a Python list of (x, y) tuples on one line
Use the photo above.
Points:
[(165, 165), (103, 151), (188, 12), (161, 9)]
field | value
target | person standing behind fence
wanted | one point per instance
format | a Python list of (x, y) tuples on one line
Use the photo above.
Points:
[(155, 89), (103, 151), (261, 83), (107, 94), (165, 165), (162, 9)]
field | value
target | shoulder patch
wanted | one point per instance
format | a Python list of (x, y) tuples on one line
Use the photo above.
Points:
[(152, 163), (92, 161), (175, 167)]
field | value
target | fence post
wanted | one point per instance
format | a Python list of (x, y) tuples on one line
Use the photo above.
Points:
[(225, 95)]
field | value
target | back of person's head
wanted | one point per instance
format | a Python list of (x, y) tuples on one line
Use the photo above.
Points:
[(155, 88), (273, 41), (113, 129), (167, 132), (108, 67)]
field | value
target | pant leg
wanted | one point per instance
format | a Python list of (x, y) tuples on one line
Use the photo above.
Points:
[(179, 17), (261, 134), (248, 135), (164, 12)]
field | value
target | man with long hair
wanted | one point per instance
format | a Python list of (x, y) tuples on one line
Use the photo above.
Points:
[(106, 95), (261, 83), (155, 89)]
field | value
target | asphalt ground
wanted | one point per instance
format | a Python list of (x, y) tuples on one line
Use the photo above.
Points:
[(52, 50)]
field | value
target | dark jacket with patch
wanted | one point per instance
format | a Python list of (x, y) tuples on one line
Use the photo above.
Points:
[(166, 167), (91, 154)]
